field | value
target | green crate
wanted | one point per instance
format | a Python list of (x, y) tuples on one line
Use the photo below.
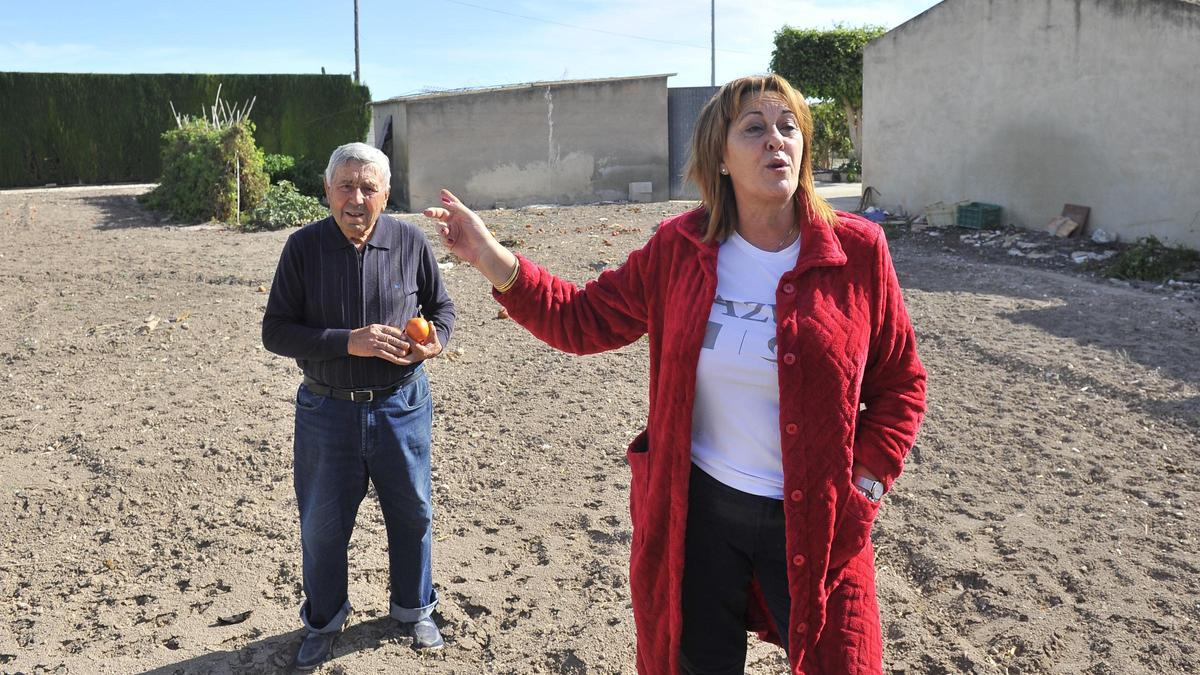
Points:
[(978, 215)]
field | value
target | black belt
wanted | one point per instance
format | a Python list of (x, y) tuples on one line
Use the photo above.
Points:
[(360, 395)]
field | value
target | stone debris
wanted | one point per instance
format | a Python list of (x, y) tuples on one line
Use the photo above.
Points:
[(1080, 257), (234, 618), (1029, 245), (1062, 226), (1046, 249), (148, 325)]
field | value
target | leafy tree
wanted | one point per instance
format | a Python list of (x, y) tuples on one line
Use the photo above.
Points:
[(277, 165), (199, 180), (827, 64), (212, 169), (307, 175), (831, 137)]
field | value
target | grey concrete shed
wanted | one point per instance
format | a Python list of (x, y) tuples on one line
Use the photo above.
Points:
[(1033, 104), (560, 142)]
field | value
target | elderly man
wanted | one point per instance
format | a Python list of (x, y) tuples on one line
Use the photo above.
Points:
[(343, 291)]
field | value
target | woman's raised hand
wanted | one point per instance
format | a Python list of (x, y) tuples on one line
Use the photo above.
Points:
[(463, 233)]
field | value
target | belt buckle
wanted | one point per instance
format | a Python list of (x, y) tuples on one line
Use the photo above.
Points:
[(362, 396)]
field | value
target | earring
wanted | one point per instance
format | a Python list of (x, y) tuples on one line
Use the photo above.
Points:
[(724, 171)]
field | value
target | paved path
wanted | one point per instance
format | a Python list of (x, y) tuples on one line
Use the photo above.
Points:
[(842, 196)]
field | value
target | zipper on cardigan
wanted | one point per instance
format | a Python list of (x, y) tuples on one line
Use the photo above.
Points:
[(362, 304), (362, 295)]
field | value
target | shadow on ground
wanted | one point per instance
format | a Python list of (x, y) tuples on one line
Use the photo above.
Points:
[(124, 212), (276, 654)]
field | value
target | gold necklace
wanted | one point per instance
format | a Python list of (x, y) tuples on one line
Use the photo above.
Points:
[(787, 239)]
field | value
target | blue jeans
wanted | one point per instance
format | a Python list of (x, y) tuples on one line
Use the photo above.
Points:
[(339, 446), (731, 537)]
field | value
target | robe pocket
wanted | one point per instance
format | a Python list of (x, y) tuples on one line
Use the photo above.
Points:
[(638, 456), (853, 528)]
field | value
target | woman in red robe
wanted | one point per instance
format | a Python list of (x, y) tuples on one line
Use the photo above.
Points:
[(785, 393)]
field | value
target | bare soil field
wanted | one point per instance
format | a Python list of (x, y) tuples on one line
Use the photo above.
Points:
[(1045, 523)]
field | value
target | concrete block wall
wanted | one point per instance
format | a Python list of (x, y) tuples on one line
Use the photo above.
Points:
[(1032, 104), (552, 142)]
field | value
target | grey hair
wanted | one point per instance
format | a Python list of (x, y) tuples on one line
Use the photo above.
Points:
[(359, 152)]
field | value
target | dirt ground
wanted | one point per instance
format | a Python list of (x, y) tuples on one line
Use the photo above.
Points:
[(1044, 524)]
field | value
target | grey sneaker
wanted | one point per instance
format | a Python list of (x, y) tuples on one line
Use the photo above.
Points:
[(314, 650), (425, 634)]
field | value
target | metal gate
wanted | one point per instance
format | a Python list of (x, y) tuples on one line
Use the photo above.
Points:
[(683, 106)]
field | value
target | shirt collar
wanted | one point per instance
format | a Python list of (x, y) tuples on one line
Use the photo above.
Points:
[(384, 236), (819, 243)]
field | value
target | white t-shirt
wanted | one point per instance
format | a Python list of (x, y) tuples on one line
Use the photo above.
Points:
[(735, 422)]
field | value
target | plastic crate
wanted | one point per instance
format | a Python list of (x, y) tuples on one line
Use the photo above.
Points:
[(978, 215), (941, 214)]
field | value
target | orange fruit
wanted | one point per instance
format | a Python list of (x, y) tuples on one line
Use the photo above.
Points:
[(418, 329)]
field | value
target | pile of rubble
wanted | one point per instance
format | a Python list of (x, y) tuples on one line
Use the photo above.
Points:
[(1034, 246), (1090, 255)]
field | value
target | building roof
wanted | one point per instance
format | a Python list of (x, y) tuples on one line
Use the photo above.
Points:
[(513, 87), (917, 19)]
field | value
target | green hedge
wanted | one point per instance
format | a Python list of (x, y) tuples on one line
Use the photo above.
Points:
[(69, 128)]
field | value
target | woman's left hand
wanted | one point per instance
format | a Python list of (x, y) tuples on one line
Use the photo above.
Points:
[(461, 230), (861, 471), (465, 235)]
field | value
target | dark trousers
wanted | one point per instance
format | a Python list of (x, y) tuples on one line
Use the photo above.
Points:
[(339, 447), (732, 536)]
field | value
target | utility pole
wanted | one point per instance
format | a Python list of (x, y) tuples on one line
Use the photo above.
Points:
[(356, 70), (712, 16)]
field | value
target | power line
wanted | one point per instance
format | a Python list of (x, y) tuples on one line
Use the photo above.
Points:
[(592, 30)]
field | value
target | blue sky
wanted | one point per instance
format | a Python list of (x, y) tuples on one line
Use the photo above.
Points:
[(409, 47)]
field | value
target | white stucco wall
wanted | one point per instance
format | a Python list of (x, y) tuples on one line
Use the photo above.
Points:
[(399, 150), (564, 143), (1031, 104)]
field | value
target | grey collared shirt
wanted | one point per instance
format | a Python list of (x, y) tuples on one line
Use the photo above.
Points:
[(324, 288)]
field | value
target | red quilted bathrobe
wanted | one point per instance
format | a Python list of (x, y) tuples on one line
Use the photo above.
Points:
[(851, 388)]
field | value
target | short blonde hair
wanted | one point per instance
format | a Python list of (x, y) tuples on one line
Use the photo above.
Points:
[(708, 148)]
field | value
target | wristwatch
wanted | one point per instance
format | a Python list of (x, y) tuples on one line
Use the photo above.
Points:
[(871, 489)]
